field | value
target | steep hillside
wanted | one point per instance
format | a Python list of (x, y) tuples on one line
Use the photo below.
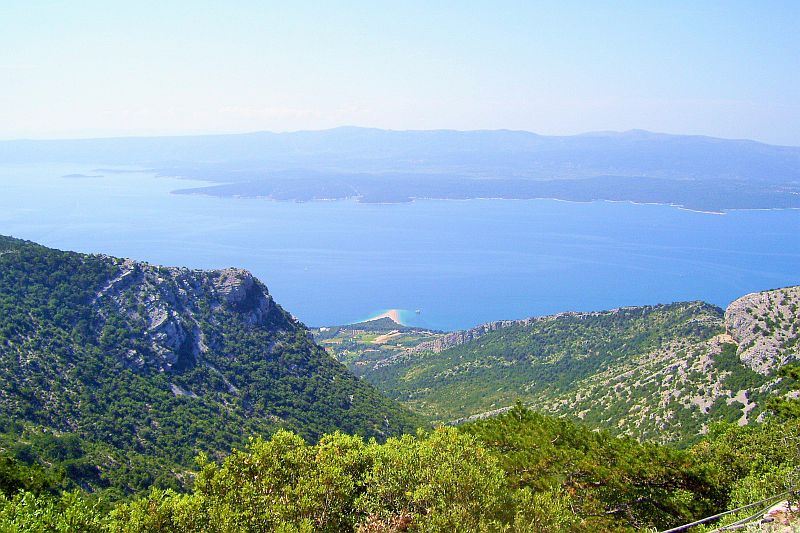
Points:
[(137, 360), (673, 392), (657, 372)]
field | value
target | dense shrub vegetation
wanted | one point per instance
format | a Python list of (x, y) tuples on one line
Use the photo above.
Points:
[(518, 472)]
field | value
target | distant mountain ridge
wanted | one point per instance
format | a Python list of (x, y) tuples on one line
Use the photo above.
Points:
[(373, 165), (368, 143)]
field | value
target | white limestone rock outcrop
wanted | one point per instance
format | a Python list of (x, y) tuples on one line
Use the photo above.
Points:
[(174, 307), (765, 325)]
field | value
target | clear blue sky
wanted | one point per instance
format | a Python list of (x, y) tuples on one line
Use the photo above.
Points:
[(98, 68)]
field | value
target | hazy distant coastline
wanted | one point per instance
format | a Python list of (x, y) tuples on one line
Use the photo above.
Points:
[(707, 197), (386, 166)]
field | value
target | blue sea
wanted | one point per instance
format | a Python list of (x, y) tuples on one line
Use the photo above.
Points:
[(459, 263)]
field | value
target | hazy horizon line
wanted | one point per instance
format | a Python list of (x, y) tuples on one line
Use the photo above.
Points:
[(598, 133)]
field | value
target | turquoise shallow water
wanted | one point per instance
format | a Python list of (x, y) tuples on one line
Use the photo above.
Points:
[(403, 316), (459, 262)]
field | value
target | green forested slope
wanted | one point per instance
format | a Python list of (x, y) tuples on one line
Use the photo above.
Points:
[(124, 371), (656, 372), (549, 354)]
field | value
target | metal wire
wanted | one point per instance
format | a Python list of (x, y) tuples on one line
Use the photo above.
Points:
[(743, 521), (720, 515)]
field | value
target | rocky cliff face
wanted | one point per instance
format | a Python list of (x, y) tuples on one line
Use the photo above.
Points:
[(766, 327), (174, 309)]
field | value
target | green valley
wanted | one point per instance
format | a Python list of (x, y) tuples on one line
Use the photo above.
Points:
[(659, 373)]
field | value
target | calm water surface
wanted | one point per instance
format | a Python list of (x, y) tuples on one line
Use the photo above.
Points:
[(459, 262)]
